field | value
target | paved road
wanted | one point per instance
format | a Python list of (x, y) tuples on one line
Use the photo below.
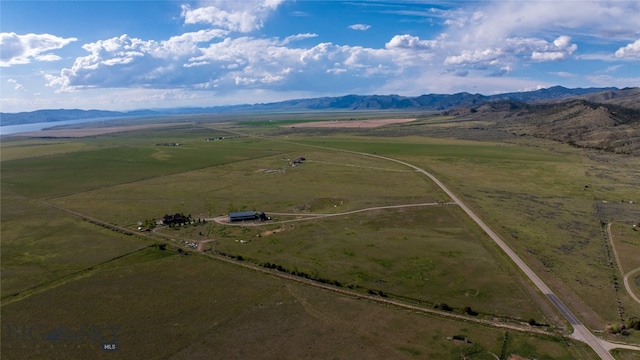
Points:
[(580, 332)]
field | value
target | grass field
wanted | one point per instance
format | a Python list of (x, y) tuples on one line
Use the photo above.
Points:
[(165, 305), (427, 254), (626, 242), (542, 209), (176, 306), (41, 245)]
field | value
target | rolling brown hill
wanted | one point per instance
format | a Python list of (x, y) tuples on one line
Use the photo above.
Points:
[(629, 97), (608, 120)]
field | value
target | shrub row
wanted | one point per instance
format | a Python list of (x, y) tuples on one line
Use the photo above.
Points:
[(301, 274)]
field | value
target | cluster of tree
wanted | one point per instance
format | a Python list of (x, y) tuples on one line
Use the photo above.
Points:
[(176, 219), (301, 274), (234, 257), (468, 311), (148, 224), (624, 328), (443, 306), (376, 292), (179, 219)]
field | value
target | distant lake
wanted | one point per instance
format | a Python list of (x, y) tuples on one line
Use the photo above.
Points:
[(14, 129)]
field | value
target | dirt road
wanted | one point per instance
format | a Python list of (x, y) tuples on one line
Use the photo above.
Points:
[(580, 332), (625, 277), (224, 220)]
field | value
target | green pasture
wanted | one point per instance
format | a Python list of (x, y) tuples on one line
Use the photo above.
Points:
[(12, 149), (446, 150), (549, 218), (626, 354), (327, 182), (41, 245), (627, 244), (277, 120), (396, 251), (125, 160), (276, 123), (533, 196), (615, 178), (159, 304), (429, 255)]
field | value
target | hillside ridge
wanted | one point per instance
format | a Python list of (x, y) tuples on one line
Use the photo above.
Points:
[(429, 102)]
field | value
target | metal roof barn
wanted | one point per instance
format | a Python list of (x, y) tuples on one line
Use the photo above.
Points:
[(241, 216)]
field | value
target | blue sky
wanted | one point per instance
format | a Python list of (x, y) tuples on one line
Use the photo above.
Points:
[(125, 55)]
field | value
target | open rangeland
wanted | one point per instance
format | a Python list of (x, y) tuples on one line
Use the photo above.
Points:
[(340, 124), (91, 131), (70, 216), (625, 240), (160, 304)]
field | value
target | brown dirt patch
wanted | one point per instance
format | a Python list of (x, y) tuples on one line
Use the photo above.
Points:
[(92, 131), (350, 123), (271, 232)]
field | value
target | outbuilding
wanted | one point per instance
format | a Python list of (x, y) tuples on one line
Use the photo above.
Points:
[(242, 216), (247, 215)]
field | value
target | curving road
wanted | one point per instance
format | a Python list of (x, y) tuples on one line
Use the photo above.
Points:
[(628, 287), (580, 332), (625, 277)]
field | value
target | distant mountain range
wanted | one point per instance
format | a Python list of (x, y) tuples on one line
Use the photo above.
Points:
[(431, 102)]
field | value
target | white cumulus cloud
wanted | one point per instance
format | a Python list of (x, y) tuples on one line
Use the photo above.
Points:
[(561, 48), (226, 57), (126, 61), (240, 16), (631, 51), (409, 42), (23, 49), (480, 56)]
